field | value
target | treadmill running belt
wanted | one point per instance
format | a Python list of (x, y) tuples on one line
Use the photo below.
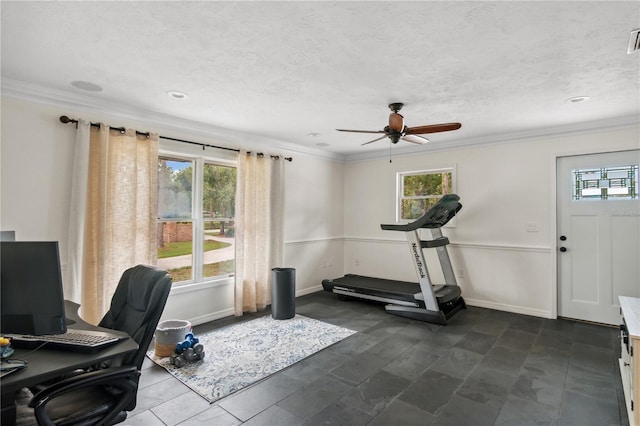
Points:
[(401, 290)]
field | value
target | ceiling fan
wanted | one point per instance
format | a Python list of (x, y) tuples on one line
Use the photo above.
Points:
[(396, 129)]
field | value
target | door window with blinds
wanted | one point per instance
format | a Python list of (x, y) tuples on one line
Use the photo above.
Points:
[(196, 207)]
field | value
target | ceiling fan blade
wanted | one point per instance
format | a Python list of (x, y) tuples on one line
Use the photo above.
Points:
[(360, 131), (415, 139), (367, 143), (433, 128)]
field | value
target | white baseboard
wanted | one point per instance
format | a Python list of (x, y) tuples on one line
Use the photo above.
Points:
[(508, 308), (471, 302), (309, 290), (212, 316)]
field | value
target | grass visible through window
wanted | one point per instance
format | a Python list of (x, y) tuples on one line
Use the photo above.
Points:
[(210, 270), (184, 247)]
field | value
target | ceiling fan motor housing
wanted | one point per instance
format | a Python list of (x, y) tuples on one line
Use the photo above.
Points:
[(396, 122)]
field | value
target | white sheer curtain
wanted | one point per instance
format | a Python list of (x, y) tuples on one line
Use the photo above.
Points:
[(115, 224), (77, 212), (259, 229)]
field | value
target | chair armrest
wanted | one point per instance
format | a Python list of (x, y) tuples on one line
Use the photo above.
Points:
[(121, 381)]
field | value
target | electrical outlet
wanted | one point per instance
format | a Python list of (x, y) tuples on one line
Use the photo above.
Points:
[(532, 227), (460, 273), (357, 262)]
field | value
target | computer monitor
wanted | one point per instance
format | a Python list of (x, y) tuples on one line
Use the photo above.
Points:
[(31, 295)]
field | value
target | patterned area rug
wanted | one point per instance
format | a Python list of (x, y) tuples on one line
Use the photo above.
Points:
[(241, 354)]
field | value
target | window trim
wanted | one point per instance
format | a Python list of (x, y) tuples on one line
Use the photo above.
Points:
[(400, 189)]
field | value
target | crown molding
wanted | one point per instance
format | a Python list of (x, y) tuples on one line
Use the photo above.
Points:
[(230, 138)]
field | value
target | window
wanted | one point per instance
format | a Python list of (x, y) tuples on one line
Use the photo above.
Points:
[(418, 191), (196, 207), (615, 183)]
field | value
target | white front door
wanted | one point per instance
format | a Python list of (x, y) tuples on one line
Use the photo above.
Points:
[(598, 231)]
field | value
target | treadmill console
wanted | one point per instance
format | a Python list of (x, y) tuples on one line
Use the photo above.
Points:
[(436, 217)]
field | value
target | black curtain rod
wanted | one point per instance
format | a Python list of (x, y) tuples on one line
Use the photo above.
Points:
[(64, 119)]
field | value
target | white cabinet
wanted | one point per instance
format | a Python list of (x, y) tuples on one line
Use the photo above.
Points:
[(630, 345)]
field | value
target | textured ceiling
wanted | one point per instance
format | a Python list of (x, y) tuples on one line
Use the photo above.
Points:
[(283, 70)]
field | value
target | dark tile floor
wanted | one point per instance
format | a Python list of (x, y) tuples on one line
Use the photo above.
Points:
[(484, 368)]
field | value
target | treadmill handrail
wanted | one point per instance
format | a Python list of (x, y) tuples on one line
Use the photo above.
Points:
[(437, 216)]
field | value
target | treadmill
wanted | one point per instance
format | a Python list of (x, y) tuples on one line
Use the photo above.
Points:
[(422, 300)]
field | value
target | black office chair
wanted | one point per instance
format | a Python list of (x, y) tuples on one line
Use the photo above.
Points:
[(136, 307), (104, 396)]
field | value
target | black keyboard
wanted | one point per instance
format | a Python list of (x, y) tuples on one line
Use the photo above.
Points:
[(72, 339)]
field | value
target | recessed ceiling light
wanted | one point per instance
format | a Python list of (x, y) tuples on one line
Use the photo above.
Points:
[(177, 95), (578, 99), (86, 85), (322, 144), (313, 134)]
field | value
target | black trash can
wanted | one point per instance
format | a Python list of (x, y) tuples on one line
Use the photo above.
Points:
[(283, 293)]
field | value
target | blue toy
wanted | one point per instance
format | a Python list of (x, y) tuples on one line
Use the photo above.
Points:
[(189, 341)]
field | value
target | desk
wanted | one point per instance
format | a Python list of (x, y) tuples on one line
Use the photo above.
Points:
[(629, 368), (47, 363)]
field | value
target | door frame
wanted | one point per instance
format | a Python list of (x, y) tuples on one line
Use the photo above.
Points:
[(553, 235)]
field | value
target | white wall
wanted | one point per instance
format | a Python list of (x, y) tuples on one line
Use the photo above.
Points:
[(35, 176), (314, 221), (504, 187), (35, 172)]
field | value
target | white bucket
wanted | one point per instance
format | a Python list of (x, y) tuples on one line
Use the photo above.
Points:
[(168, 334)]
